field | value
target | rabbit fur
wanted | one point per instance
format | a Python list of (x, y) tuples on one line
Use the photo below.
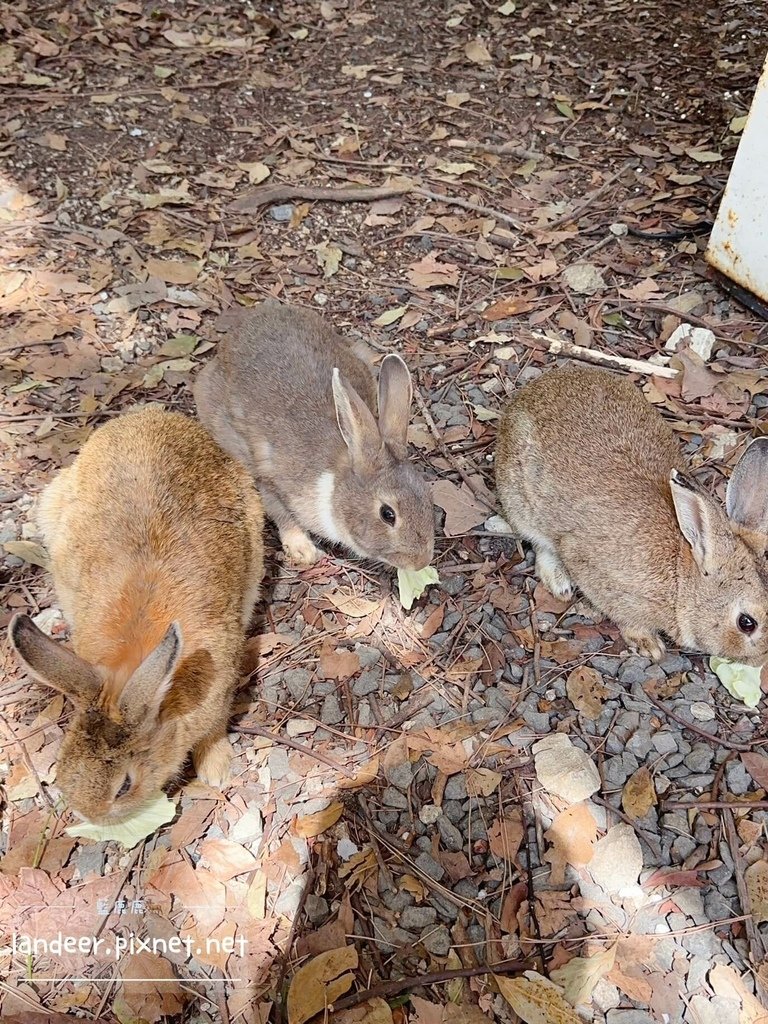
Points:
[(592, 476), (294, 402), (156, 551)]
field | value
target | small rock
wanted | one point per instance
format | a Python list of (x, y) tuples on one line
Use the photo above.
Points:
[(437, 940), (627, 1017), (699, 759), (450, 835), (634, 670), (456, 788), (702, 712), (429, 814), (564, 769), (331, 712), (605, 996), (297, 681), (394, 798), (583, 278), (400, 775), (738, 778), (300, 726), (418, 918), (640, 744), (367, 682), (617, 861), (281, 213), (700, 339), (682, 848), (316, 908), (665, 742), (426, 862)]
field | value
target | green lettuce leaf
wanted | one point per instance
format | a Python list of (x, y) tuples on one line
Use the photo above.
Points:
[(156, 812), (741, 681), (413, 584)]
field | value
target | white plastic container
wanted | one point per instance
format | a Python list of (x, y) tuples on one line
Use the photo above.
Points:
[(738, 245)]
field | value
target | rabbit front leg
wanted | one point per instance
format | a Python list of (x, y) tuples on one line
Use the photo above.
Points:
[(297, 544), (212, 757), (552, 573)]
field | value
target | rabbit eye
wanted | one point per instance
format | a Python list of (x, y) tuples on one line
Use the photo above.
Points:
[(747, 624), (125, 788), (387, 513)]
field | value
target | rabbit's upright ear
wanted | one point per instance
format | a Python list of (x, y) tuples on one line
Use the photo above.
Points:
[(53, 663), (356, 422), (746, 499), (145, 690), (395, 396), (697, 517)]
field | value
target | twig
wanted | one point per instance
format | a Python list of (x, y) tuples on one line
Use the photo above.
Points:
[(715, 805), (503, 149), (717, 740), (560, 347), (286, 741), (365, 194), (447, 454), (754, 938), (392, 988), (590, 199)]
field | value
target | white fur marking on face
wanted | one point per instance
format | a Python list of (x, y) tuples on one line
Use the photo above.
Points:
[(326, 522)]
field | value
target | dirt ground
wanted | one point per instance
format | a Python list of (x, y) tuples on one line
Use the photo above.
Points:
[(392, 847)]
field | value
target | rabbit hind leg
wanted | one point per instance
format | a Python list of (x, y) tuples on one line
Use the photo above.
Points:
[(552, 573)]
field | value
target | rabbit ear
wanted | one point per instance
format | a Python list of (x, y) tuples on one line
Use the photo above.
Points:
[(746, 499), (355, 419), (395, 395), (695, 517), (144, 692), (53, 664)]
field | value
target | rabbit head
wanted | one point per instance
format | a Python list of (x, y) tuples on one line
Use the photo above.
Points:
[(723, 595), (119, 750), (382, 502)]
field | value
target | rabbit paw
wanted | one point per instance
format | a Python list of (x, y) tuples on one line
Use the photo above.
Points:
[(298, 547), (647, 645), (213, 763), (552, 574)]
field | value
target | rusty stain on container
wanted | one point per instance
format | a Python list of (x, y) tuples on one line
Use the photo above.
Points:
[(738, 245)]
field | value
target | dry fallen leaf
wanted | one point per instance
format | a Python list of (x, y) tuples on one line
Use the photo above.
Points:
[(617, 861), (477, 51), (536, 1000), (506, 835), (756, 877), (318, 984), (586, 691), (462, 509), (482, 781), (572, 834), (429, 272), (581, 974), (350, 604), (31, 552), (312, 825), (726, 982), (639, 794)]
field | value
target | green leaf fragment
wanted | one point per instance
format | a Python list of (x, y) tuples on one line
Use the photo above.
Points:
[(159, 810), (741, 681), (412, 585)]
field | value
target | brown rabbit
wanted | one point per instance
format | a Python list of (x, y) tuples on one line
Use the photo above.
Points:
[(291, 399), (156, 551), (591, 475)]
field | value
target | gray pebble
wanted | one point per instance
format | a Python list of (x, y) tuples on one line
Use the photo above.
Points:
[(628, 1017), (467, 888), (400, 775), (331, 712), (316, 908), (450, 835), (394, 798), (605, 666), (640, 744), (738, 779), (297, 680), (281, 213), (665, 742), (675, 663), (682, 848), (634, 670), (456, 787), (417, 918), (369, 656), (426, 862), (437, 940), (367, 682), (700, 758), (452, 585)]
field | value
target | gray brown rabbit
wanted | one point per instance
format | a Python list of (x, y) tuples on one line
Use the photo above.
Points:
[(591, 475), (156, 550), (293, 401)]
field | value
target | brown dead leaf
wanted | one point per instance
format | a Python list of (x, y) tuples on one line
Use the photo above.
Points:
[(142, 992), (508, 307), (333, 934), (372, 1011), (478, 52), (174, 271), (726, 982), (697, 381), (312, 825), (639, 794), (364, 776), (350, 604), (536, 1000), (580, 975), (506, 835), (757, 766), (462, 509), (482, 781), (586, 691), (572, 835), (429, 272), (642, 291), (226, 859), (337, 664), (318, 984), (756, 877)]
